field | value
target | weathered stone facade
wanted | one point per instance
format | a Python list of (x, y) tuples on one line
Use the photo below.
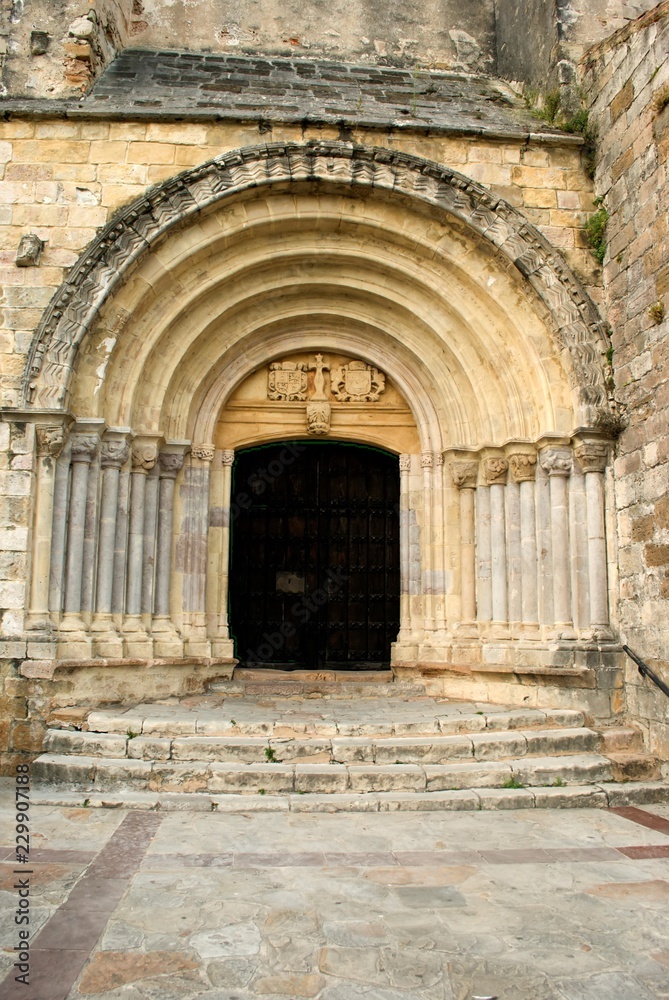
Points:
[(627, 85), (153, 269)]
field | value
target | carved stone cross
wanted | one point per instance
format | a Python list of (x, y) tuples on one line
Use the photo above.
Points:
[(320, 366)]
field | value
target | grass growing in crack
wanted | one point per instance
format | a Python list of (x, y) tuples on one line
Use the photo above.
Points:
[(595, 233), (513, 783), (261, 791), (558, 783), (270, 755), (132, 735), (86, 803), (232, 722)]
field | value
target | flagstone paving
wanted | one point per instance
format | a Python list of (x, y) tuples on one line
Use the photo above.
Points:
[(547, 905)]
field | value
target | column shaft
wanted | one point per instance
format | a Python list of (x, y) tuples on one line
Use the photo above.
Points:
[(59, 533), (135, 543), (405, 549), (108, 511), (49, 444), (498, 553), (514, 558), (149, 543), (599, 595), (468, 553), (483, 555), (528, 552)]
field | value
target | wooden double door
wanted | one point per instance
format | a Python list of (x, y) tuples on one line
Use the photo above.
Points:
[(314, 568)]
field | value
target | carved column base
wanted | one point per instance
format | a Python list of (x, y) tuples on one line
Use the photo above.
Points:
[(466, 630), (196, 641), (74, 642), (136, 642), (223, 649), (166, 639), (106, 640)]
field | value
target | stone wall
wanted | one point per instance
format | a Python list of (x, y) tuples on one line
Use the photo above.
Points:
[(626, 80), (56, 48), (401, 32), (540, 43)]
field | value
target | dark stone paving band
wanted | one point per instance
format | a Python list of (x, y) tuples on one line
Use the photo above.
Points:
[(62, 947), (643, 818)]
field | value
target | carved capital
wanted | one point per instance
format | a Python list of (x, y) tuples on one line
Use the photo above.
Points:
[(114, 454), (465, 474), (494, 471), (523, 467), (227, 457), (592, 455), (50, 440), (204, 452), (556, 461), (84, 447), (144, 457), (427, 460), (170, 463)]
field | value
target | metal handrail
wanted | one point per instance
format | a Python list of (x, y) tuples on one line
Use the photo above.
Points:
[(645, 671)]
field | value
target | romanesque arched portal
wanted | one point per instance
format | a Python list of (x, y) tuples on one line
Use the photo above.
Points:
[(194, 326)]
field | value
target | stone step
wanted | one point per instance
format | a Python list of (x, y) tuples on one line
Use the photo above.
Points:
[(341, 689), (600, 795), (107, 773), (276, 721), (434, 749)]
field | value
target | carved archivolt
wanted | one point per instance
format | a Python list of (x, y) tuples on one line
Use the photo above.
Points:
[(116, 251)]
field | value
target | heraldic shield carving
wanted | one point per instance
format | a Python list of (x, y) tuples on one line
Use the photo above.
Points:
[(357, 382), (287, 380)]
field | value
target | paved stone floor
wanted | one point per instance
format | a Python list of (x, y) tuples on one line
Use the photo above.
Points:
[(548, 905)]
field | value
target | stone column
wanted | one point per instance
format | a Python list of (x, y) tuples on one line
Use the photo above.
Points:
[(75, 642), (50, 441), (219, 555), (523, 468), (195, 529), (144, 457), (465, 475), (483, 555), (557, 463), (114, 453), (592, 457), (121, 546), (427, 465), (405, 551), (61, 496), (167, 641), (150, 542), (495, 472), (438, 532)]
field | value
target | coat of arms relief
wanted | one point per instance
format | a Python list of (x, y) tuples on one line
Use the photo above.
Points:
[(287, 380), (356, 382)]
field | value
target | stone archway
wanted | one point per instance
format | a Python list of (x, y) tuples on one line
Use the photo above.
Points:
[(385, 259)]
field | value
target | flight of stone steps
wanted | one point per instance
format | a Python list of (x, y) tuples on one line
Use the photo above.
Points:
[(327, 742)]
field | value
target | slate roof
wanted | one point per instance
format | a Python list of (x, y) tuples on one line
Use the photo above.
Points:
[(168, 84)]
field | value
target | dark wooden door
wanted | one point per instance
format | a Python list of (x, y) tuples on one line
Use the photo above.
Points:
[(314, 569)]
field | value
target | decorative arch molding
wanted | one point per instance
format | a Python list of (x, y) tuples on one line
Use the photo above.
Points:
[(579, 331)]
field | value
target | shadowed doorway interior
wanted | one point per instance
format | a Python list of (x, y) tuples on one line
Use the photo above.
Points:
[(315, 578)]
